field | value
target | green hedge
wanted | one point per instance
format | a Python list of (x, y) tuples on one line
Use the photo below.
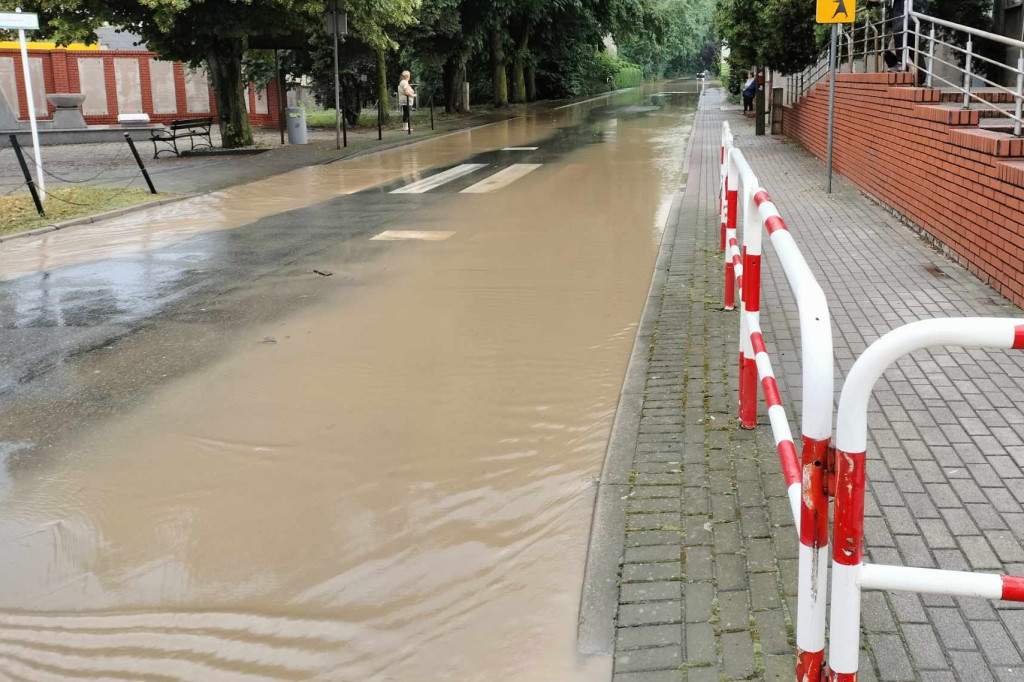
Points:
[(628, 76)]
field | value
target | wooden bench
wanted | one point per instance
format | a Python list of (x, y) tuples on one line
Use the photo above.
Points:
[(190, 128)]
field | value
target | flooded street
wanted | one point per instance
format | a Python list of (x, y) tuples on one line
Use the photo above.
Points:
[(219, 465)]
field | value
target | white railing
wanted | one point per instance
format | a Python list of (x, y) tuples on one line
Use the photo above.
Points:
[(804, 474)]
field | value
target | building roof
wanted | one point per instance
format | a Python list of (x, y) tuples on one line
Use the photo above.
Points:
[(119, 39)]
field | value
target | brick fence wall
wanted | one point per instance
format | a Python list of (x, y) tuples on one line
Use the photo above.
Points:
[(929, 161), (61, 70)]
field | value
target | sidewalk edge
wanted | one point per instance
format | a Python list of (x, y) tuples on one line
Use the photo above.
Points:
[(85, 220), (595, 634), (600, 594)]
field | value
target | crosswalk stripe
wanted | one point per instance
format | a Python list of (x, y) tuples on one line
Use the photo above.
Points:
[(424, 235), (502, 178), (427, 184), (519, 149)]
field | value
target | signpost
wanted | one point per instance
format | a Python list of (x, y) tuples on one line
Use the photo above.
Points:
[(336, 22), (833, 12), (27, 21)]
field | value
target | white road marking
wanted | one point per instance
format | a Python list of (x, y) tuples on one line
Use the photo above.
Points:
[(503, 178), (519, 149), (424, 235), (427, 184)]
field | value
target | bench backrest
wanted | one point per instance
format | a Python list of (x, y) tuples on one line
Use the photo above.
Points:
[(191, 123)]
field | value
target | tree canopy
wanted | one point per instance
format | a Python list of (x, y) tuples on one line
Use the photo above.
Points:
[(509, 50)]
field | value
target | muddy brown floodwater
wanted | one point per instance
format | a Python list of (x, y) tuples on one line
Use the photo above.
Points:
[(399, 488)]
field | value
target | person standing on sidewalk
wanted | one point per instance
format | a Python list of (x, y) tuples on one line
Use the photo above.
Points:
[(406, 96), (749, 92)]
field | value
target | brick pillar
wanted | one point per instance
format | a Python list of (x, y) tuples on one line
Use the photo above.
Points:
[(111, 83), (146, 85), (19, 85), (179, 90), (61, 82)]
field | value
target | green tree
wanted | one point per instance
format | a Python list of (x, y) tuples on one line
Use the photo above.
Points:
[(779, 34), (216, 32)]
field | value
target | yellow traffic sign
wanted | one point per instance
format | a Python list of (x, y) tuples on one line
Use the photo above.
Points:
[(836, 11)]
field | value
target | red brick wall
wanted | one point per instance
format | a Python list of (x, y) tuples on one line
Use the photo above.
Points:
[(928, 161), (60, 74)]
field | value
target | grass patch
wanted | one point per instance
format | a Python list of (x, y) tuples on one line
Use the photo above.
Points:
[(18, 213), (368, 119)]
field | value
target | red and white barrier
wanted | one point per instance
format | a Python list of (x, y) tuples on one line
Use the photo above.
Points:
[(727, 211), (849, 574), (806, 477)]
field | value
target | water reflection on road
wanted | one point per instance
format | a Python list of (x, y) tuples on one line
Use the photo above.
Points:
[(390, 480)]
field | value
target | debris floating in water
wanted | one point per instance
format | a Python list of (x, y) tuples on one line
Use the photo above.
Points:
[(323, 273)]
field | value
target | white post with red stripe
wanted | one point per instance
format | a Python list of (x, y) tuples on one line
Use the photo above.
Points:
[(728, 211), (806, 476), (849, 574), (749, 275)]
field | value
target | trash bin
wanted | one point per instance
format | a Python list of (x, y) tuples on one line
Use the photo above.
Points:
[(296, 117)]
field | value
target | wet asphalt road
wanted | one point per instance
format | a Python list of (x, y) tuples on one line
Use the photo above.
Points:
[(378, 472)]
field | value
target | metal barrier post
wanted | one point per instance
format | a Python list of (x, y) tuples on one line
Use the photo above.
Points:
[(138, 160), (806, 482), (28, 176), (380, 117), (906, 33), (733, 261), (967, 73), (1020, 93), (750, 306), (931, 57), (849, 574)]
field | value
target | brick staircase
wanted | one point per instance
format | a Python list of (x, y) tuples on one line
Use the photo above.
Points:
[(956, 173)]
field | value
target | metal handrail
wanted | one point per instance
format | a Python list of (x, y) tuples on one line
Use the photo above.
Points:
[(924, 61), (967, 29)]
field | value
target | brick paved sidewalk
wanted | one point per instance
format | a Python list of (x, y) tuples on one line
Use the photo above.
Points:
[(708, 579)]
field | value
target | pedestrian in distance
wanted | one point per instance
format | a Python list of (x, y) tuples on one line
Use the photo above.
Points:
[(406, 96), (749, 92)]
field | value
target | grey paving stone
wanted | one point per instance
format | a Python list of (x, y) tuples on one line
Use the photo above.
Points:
[(892, 658), (701, 644), (670, 570), (655, 591), (924, 647), (652, 613), (738, 654), (650, 676), (648, 636), (661, 658)]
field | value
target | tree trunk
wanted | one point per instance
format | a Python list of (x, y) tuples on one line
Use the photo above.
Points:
[(450, 84), (498, 77), (351, 102), (519, 66), (531, 83), (225, 64), (382, 86)]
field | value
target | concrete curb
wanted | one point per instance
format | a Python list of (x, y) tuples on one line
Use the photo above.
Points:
[(85, 220), (599, 597)]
